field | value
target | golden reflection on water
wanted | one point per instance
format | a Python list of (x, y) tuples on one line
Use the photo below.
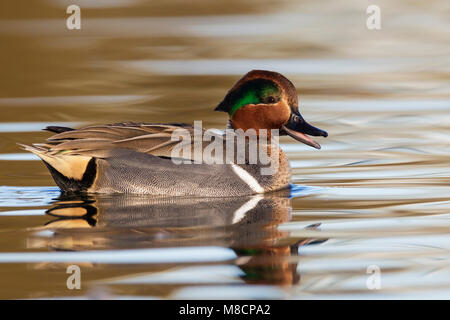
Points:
[(247, 225), (376, 194)]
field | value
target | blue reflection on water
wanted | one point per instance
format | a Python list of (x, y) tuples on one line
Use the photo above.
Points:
[(27, 196)]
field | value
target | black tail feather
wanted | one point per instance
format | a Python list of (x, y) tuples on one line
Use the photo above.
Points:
[(70, 185), (57, 129)]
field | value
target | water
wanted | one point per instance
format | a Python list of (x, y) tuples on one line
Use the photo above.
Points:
[(375, 198)]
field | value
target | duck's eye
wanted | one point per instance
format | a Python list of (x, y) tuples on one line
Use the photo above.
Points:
[(270, 99), (296, 118)]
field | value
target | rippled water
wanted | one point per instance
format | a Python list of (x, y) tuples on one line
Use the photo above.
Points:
[(376, 197)]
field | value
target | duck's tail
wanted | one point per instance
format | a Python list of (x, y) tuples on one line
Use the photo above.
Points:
[(72, 173)]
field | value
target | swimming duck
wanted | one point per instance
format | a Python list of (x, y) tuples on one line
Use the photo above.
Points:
[(138, 157)]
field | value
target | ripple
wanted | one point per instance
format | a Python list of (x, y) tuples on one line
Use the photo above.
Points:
[(229, 292), (166, 255), (18, 213), (33, 126), (27, 196), (18, 156), (71, 100), (285, 66), (197, 274)]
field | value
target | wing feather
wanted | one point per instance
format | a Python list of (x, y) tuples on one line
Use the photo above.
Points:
[(99, 141)]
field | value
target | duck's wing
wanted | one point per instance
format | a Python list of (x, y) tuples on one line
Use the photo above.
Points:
[(97, 141), (77, 157)]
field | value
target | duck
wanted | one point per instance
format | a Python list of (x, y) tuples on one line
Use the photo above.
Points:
[(138, 158)]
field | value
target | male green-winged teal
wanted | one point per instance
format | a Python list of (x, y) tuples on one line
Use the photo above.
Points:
[(137, 157)]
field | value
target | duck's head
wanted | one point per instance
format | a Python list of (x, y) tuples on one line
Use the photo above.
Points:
[(268, 100)]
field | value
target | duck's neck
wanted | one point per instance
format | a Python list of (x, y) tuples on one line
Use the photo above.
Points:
[(267, 132), (281, 176)]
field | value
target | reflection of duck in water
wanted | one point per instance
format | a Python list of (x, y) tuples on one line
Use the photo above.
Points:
[(139, 158), (248, 225)]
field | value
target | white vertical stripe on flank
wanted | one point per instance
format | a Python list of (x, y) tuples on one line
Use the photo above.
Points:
[(239, 214), (247, 178)]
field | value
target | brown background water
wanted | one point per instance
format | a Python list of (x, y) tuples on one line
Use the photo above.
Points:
[(379, 188)]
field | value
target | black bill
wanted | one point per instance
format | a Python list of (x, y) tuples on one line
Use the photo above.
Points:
[(299, 129)]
